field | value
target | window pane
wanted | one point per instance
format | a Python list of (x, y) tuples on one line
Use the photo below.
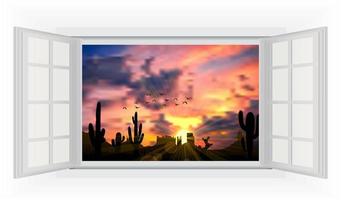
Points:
[(302, 153), (280, 54), (302, 83), (280, 150), (61, 119), (302, 50), (38, 153), (61, 53), (280, 119), (60, 84), (61, 150), (280, 85), (38, 83), (38, 120), (38, 50), (302, 120)]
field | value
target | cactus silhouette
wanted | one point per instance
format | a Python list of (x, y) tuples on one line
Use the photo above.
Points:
[(97, 135), (207, 144), (118, 141), (138, 135), (178, 140), (251, 131)]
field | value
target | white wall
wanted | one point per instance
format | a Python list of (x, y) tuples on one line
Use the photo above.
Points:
[(48, 15)]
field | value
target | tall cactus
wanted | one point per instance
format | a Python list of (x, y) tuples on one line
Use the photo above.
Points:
[(251, 128), (138, 135), (97, 136), (118, 141)]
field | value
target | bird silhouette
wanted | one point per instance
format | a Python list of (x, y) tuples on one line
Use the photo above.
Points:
[(166, 100), (176, 104), (189, 98), (124, 108), (184, 102), (137, 107)]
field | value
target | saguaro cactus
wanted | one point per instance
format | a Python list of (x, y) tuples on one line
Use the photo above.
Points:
[(118, 141), (207, 144), (138, 135), (251, 130), (97, 135)]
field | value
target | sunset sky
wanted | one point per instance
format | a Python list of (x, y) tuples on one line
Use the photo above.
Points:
[(178, 88)]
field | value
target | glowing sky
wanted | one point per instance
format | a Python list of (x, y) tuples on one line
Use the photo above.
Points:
[(197, 88)]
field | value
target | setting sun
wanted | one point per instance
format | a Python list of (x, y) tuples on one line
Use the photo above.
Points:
[(183, 135)]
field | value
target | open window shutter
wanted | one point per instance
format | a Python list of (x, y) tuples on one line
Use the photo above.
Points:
[(296, 111), (44, 65)]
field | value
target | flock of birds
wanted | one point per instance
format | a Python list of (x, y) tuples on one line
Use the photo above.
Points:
[(154, 98)]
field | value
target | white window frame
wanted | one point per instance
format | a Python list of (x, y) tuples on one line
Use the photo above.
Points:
[(319, 102), (197, 38), (21, 101)]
